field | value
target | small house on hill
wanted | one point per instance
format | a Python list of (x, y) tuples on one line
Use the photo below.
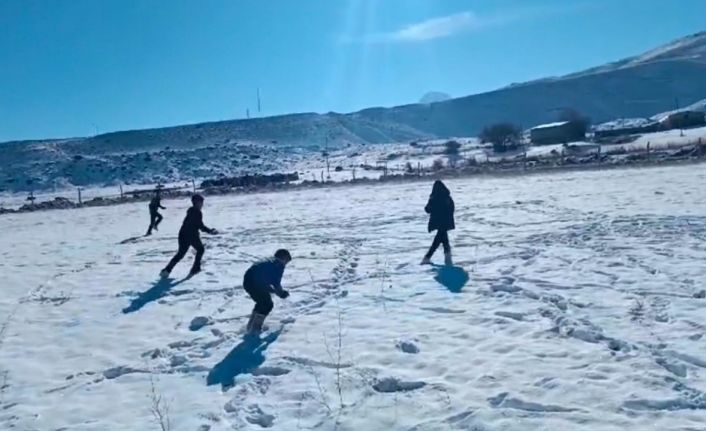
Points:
[(683, 119), (556, 133), (625, 126)]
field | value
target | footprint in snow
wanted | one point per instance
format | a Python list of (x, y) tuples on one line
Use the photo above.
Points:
[(199, 322), (393, 384), (256, 416), (408, 347), (442, 310)]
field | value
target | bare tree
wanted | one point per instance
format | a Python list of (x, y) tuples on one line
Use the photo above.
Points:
[(452, 148), (503, 136)]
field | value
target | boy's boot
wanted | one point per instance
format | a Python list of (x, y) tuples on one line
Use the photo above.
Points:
[(448, 259), (255, 323)]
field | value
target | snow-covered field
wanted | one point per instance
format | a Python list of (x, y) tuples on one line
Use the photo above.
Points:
[(575, 304), (660, 140)]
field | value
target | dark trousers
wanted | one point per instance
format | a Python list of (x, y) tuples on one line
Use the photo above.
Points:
[(184, 243), (262, 297), (155, 220), (442, 237)]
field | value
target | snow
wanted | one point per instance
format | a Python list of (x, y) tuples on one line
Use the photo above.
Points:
[(625, 123), (662, 140), (574, 303), (692, 46), (549, 125)]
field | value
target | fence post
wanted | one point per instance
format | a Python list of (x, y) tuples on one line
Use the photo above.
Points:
[(648, 150), (193, 185), (121, 192), (80, 202)]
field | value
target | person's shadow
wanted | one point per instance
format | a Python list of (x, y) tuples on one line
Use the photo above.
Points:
[(244, 358), (159, 289), (451, 277), (131, 239)]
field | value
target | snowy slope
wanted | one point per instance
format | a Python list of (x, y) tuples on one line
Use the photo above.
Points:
[(579, 311), (636, 87)]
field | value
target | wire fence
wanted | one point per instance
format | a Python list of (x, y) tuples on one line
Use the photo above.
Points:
[(381, 170)]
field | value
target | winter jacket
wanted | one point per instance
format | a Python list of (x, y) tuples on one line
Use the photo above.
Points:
[(155, 204), (193, 223), (266, 274), (440, 209)]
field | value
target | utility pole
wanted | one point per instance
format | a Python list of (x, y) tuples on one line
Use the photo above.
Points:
[(681, 129), (328, 165), (259, 107)]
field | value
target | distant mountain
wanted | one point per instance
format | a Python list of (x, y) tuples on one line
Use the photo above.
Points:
[(635, 87), (689, 48), (434, 97)]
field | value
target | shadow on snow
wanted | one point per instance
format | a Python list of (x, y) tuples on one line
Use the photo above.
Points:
[(131, 239), (451, 277), (159, 289), (244, 358)]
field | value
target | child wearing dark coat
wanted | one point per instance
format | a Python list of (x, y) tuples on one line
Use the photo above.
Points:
[(441, 219), (261, 280), (189, 237), (155, 216)]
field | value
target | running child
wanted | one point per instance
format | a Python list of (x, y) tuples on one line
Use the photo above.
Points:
[(189, 237)]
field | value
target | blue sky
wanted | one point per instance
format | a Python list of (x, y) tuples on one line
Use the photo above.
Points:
[(74, 67)]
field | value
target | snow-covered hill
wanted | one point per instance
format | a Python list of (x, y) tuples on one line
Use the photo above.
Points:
[(576, 302), (637, 87), (689, 48)]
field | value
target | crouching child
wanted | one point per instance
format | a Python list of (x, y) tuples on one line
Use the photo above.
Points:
[(261, 280)]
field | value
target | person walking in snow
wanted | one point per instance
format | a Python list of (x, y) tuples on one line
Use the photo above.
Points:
[(155, 216), (189, 237), (261, 280), (441, 219)]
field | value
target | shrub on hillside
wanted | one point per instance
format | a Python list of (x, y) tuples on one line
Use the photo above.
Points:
[(503, 136), (452, 147)]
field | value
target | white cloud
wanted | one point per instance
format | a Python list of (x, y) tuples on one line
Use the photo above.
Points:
[(436, 28), (462, 22)]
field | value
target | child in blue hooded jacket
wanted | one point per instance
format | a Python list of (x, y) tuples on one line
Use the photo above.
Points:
[(261, 280)]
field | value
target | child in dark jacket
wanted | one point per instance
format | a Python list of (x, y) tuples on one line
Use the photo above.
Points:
[(155, 216), (261, 280), (441, 219), (189, 237)]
